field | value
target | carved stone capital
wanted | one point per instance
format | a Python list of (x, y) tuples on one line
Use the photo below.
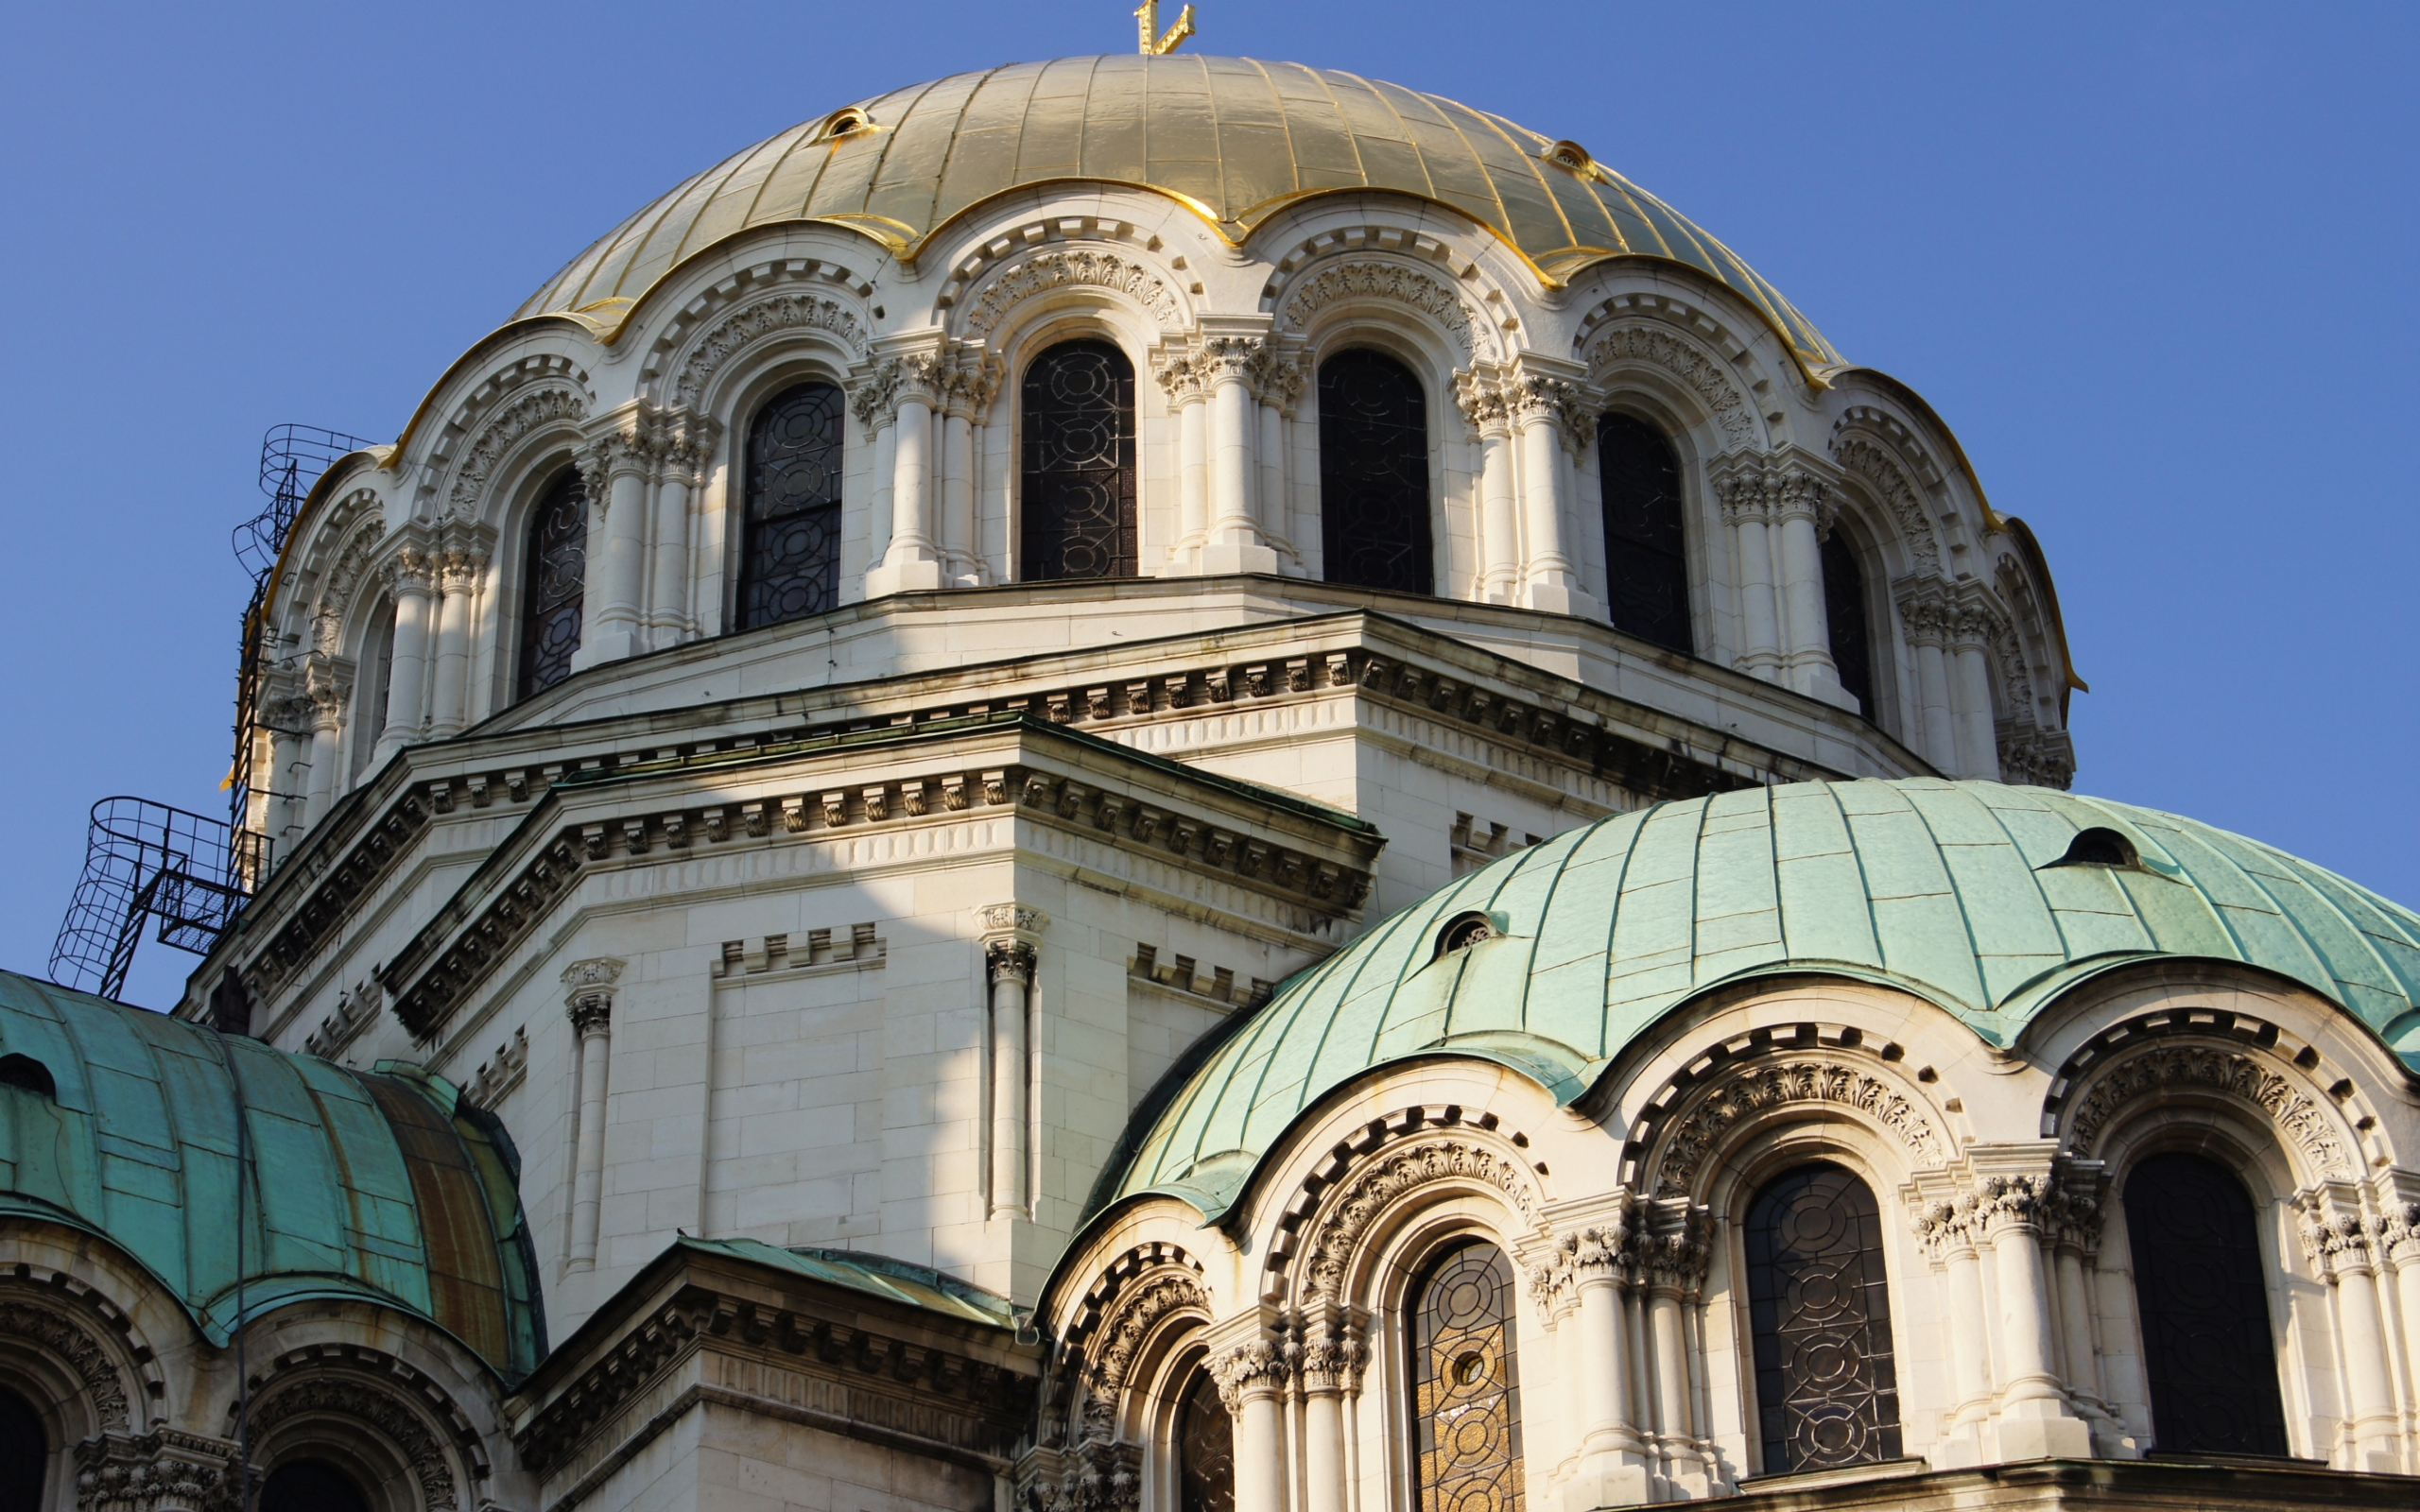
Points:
[(589, 995), (1480, 398), (2337, 1239), (1011, 918), (1008, 960), (1537, 400), (1251, 1369), (874, 398), (1277, 379), (167, 1467), (1324, 1350), (1231, 359), (1178, 374), (410, 570)]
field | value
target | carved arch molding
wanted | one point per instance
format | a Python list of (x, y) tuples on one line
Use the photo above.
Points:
[(63, 1336), (355, 1404), (1684, 360), (2235, 1076), (1700, 1119), (1391, 283), (1070, 268), (1112, 1351), (758, 322), (1339, 1227), (548, 405)]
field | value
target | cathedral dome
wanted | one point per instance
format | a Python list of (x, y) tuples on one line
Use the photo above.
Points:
[(1234, 139), (1987, 899)]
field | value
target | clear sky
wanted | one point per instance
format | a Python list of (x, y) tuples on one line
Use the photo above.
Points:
[(2153, 263)]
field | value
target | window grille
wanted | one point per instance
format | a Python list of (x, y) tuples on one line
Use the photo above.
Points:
[(1828, 1392), (1205, 1450), (2208, 1354), (1844, 616), (1646, 560), (790, 549), (1465, 1390), (1078, 404), (555, 584), (1373, 473)]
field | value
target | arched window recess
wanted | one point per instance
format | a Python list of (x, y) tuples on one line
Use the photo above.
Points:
[(1373, 473), (1826, 1380), (790, 551), (554, 583), (2209, 1355), (1647, 572), (1464, 1383), (1077, 511)]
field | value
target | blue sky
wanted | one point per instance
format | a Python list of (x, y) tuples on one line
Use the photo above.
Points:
[(2152, 261)]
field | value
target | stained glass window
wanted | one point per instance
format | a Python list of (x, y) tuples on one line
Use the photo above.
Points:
[(25, 1454), (1844, 616), (2208, 1351), (1827, 1393), (554, 583), (1465, 1391), (1078, 405), (790, 556), (1646, 566), (1205, 1450), (1373, 473)]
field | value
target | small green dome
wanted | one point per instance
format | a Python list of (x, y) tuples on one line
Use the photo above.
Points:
[(1989, 901), (378, 1186)]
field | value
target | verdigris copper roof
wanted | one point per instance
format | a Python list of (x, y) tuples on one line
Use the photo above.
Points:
[(1234, 139), (1959, 892), (378, 1186)]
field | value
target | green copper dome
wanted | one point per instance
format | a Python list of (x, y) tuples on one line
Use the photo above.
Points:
[(1989, 901), (371, 1186)]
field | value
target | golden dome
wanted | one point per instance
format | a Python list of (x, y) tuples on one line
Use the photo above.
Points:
[(1234, 139)]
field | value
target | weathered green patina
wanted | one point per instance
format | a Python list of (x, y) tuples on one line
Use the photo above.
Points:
[(378, 1186), (1955, 891)]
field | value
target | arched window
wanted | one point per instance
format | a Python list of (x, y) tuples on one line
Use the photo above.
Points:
[(1820, 1313), (789, 555), (24, 1454), (1645, 564), (377, 670), (1078, 407), (1205, 1450), (1844, 617), (1465, 1390), (1373, 473), (311, 1486), (554, 583), (2208, 1355)]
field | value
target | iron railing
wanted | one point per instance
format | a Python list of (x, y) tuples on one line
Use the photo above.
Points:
[(144, 861)]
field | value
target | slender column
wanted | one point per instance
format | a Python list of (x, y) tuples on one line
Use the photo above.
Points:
[(1550, 416), (1011, 935), (2034, 1418), (459, 569), (615, 469), (590, 1003), (289, 769), (2399, 1242), (961, 561), (1499, 525), (326, 692), (874, 398), (1329, 1370), (1273, 475), (1949, 1231), (912, 561), (1251, 1380), (1747, 509), (681, 446), (1193, 472), (1234, 542), (410, 582), (1802, 514), (1612, 1470), (1978, 736), (2341, 1246)]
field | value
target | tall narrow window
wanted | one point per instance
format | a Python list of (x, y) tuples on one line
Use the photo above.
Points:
[(311, 1486), (377, 670), (1844, 617), (789, 554), (1819, 1310), (25, 1454), (1078, 407), (1645, 564), (554, 583), (1205, 1450), (1373, 473), (2208, 1351), (1465, 1391)]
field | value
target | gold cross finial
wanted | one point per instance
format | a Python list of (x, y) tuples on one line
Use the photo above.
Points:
[(1155, 44)]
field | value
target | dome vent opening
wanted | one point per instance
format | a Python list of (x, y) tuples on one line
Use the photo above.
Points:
[(2100, 847), (1572, 155), (845, 122), (26, 1072), (1463, 930)]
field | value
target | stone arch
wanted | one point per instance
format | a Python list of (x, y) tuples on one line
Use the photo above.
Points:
[(75, 1372), (1344, 1210), (478, 453), (1334, 290), (1678, 1142), (348, 542), (349, 1413), (994, 301), (1634, 345), (687, 367), (1894, 488)]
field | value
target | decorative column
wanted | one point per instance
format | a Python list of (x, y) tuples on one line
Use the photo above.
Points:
[(1328, 1370), (914, 562), (461, 562), (2074, 1230), (411, 583), (2399, 1246), (2341, 1245), (1551, 417), (971, 384), (1950, 1230), (1012, 937), (1972, 624), (2035, 1420), (683, 443), (590, 1002), (1499, 525), (1180, 378), (1612, 1470), (1674, 1261), (1747, 508), (327, 682), (1802, 514), (615, 465), (873, 399), (1923, 607), (1277, 382), (1235, 543), (289, 716), (1251, 1382)]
